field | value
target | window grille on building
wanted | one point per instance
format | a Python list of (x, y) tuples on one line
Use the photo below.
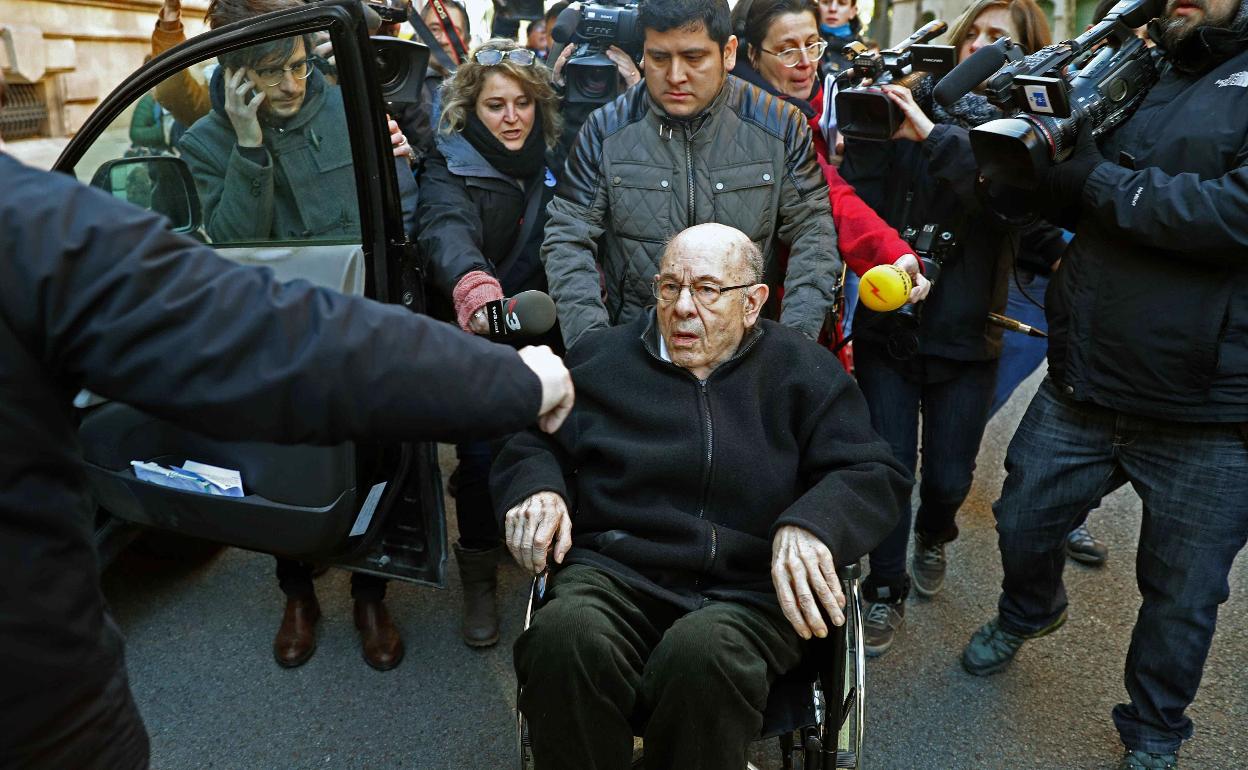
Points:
[(25, 113)]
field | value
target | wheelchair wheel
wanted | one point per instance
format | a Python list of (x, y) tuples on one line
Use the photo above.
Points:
[(853, 695)]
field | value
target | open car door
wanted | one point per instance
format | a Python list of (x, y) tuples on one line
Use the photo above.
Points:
[(322, 206)]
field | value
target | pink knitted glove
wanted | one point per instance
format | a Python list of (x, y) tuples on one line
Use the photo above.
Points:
[(472, 292)]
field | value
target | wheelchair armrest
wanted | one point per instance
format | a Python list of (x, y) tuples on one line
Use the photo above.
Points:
[(850, 571)]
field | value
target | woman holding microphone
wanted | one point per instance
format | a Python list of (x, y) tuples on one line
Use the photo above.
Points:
[(484, 187)]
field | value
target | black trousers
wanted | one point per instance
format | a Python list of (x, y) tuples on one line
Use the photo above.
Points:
[(295, 579), (601, 661)]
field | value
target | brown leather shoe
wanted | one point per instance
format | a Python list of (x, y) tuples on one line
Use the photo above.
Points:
[(383, 647), (296, 637)]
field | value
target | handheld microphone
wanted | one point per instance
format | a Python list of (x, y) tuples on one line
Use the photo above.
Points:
[(1015, 326), (977, 68), (565, 25), (527, 314)]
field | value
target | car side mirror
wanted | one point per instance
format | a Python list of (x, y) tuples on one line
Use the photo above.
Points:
[(400, 67), (161, 184)]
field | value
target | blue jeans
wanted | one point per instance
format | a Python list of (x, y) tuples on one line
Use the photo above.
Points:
[(955, 410), (1193, 480)]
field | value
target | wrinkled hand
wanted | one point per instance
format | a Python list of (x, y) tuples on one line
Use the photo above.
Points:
[(624, 65), (242, 107), (917, 126), (801, 570), (557, 391), (398, 142), (922, 286), (171, 11), (532, 528)]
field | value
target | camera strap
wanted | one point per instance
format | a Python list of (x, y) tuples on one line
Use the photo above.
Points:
[(427, 37)]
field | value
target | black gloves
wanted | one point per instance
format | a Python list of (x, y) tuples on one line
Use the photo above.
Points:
[(1062, 184)]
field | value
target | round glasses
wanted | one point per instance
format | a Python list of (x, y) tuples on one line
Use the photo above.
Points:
[(703, 292), (488, 57), (791, 57), (272, 77)]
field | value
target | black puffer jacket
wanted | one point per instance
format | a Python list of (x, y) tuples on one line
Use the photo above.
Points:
[(678, 485), (1149, 312)]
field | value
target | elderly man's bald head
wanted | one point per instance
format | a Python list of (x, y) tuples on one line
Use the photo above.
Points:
[(731, 249), (709, 294)]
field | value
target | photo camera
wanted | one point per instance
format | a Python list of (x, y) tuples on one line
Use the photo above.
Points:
[(1093, 82), (866, 112), (590, 74)]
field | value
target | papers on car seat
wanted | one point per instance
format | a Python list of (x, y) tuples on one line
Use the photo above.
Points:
[(192, 477)]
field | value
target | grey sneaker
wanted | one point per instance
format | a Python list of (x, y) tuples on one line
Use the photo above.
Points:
[(880, 626), (1143, 760), (1085, 549), (927, 568), (992, 647)]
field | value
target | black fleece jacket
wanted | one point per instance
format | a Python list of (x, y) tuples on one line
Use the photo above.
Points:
[(678, 485)]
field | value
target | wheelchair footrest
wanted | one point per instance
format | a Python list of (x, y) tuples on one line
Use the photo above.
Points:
[(846, 759)]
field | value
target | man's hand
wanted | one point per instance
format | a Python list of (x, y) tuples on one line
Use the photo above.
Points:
[(531, 529), (917, 126), (557, 391), (323, 48), (171, 11), (556, 72), (242, 104), (624, 66), (802, 569), (922, 286)]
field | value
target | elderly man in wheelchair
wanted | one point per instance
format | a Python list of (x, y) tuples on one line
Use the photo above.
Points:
[(714, 471)]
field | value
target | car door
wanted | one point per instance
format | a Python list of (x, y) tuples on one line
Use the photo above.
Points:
[(319, 201)]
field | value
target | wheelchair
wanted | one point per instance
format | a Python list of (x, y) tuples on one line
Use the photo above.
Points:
[(814, 711)]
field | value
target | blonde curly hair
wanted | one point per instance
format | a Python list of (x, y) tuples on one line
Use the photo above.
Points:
[(460, 90)]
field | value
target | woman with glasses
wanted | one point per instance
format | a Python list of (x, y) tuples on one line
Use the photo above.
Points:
[(781, 49), (941, 364), (484, 188)]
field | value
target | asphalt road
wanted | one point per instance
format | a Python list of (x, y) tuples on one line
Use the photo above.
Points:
[(200, 664)]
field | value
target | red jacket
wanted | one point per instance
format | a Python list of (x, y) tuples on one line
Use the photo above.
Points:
[(863, 239)]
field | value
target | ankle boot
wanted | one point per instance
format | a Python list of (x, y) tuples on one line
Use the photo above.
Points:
[(379, 637), (296, 637), (478, 571)]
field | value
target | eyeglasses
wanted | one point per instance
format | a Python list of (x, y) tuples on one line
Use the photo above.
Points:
[(791, 57), (272, 77), (705, 293), (490, 56)]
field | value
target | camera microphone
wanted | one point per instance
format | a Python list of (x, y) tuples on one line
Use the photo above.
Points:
[(977, 68), (1015, 326), (527, 314), (565, 25)]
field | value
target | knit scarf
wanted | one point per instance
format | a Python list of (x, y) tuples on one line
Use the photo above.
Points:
[(971, 110), (845, 30), (517, 164)]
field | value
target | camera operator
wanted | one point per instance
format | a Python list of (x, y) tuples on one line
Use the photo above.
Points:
[(485, 186), (1148, 375), (944, 367), (430, 110), (782, 54), (576, 113), (694, 145)]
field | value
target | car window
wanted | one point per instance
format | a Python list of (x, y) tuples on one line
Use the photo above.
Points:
[(261, 130)]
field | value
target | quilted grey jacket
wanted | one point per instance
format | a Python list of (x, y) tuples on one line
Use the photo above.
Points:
[(636, 177)]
